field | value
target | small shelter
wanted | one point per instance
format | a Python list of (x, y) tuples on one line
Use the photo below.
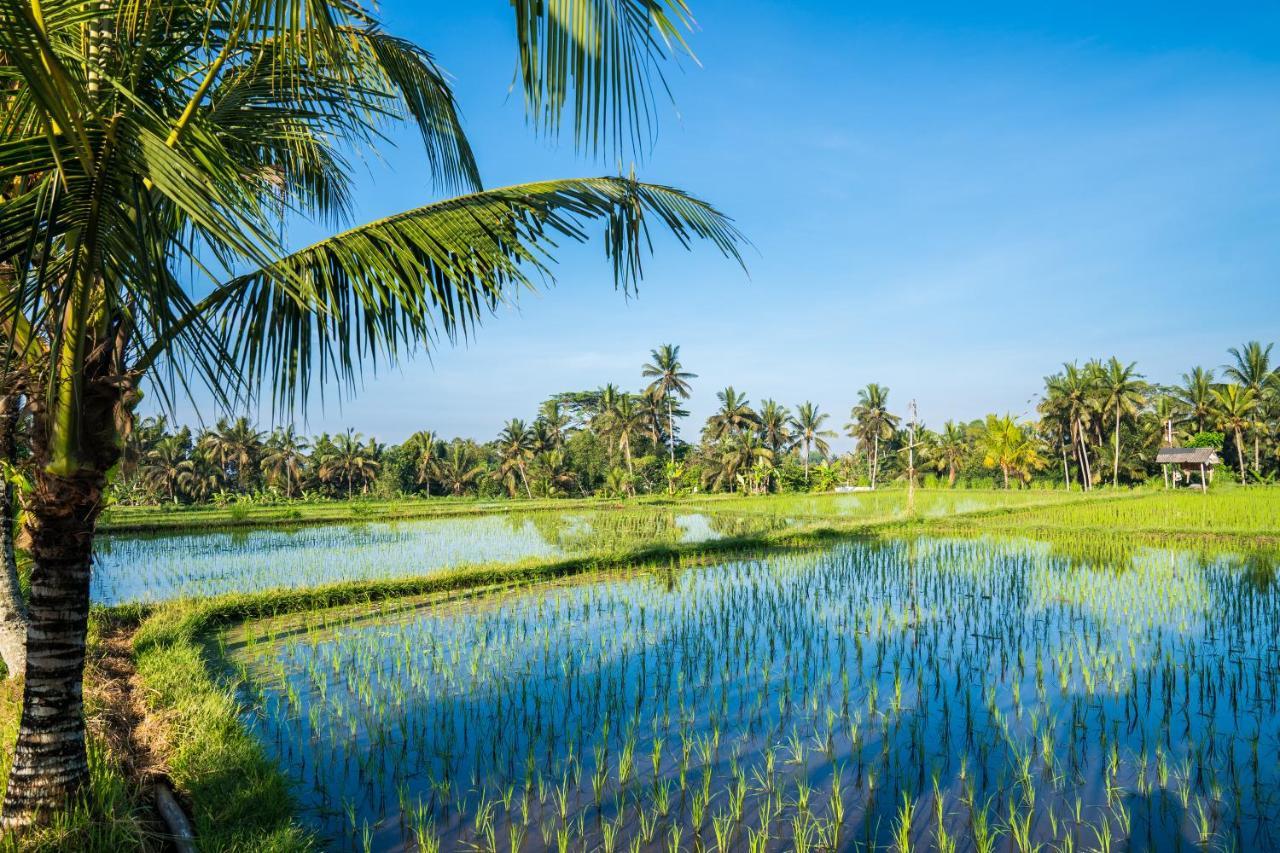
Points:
[(1186, 460)]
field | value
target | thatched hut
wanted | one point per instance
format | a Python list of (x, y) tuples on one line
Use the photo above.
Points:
[(1186, 461)]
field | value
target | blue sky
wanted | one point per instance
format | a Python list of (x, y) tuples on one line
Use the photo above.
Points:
[(944, 199)]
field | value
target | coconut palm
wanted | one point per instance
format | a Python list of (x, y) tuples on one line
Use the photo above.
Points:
[(516, 449), (808, 423), (1074, 393), (775, 427), (1006, 444), (351, 461), (459, 468), (1195, 396), (555, 472), (166, 468), (1236, 407), (870, 423), (236, 446), (622, 425), (1251, 369), (179, 135), (422, 447), (1124, 394), (670, 380), (284, 458), (729, 464), (734, 416), (552, 425), (950, 449)]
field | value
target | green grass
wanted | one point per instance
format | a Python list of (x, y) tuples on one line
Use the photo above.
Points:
[(1237, 512)]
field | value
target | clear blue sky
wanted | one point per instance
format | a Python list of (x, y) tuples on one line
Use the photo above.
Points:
[(945, 199)]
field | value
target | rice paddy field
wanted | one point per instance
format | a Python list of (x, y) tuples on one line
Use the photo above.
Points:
[(910, 692), (155, 566)]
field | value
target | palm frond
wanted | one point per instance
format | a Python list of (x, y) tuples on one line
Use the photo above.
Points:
[(373, 292), (602, 60)]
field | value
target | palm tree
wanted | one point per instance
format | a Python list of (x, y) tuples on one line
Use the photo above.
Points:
[(352, 461), (1195, 395), (459, 468), (1235, 408), (1251, 368), (179, 135), (516, 450), (622, 425), (775, 427), (739, 454), (1074, 393), (808, 423), (951, 448), (283, 459), (1125, 394), (556, 473), (235, 446), (871, 422), (670, 379), (1004, 443), (166, 467), (422, 447), (552, 425), (734, 416)]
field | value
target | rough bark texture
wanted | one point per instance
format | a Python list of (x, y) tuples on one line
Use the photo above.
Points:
[(13, 610), (49, 760)]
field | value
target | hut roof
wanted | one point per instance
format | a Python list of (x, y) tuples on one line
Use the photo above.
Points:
[(1188, 455)]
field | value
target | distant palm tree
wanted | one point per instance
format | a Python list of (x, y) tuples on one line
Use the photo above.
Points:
[(1004, 443), (1235, 406), (731, 462), (952, 447), (459, 468), (623, 424), (352, 461), (808, 424), (516, 450), (734, 416), (1251, 368), (166, 468), (235, 446), (775, 427), (423, 447), (670, 380), (556, 472), (872, 423), (283, 459), (552, 425), (1073, 394), (1195, 396), (1124, 395)]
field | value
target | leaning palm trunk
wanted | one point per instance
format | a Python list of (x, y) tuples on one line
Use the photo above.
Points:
[(13, 610), (1240, 451), (50, 765), (1115, 472)]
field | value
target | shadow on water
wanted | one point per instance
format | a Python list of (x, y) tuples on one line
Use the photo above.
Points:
[(1122, 693)]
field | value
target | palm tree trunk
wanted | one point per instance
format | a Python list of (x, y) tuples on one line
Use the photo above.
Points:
[(523, 479), (1257, 459), (875, 459), (1240, 453), (671, 429), (1066, 471), (1115, 473), (50, 765), (951, 474), (13, 610), (806, 460)]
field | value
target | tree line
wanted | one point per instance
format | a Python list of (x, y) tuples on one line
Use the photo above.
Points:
[(1097, 423)]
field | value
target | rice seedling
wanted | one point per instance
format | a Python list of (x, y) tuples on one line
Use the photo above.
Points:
[(911, 692)]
